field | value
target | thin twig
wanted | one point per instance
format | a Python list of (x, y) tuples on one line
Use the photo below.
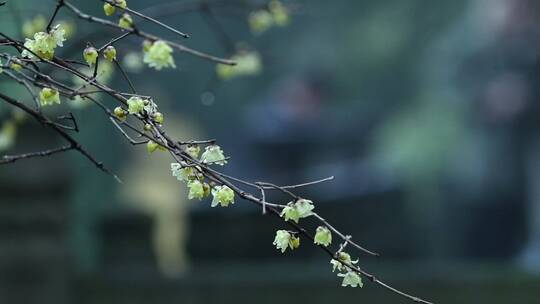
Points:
[(145, 17), (13, 158)]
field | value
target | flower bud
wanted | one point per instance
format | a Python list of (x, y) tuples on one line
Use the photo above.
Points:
[(206, 188), (120, 113), (151, 146), (158, 117), (108, 9), (110, 53), (15, 66), (125, 22), (294, 242), (121, 3), (90, 55)]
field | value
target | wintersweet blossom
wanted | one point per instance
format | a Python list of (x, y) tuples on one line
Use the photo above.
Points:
[(44, 44), (120, 113), (90, 55), (125, 22), (135, 105), (196, 189), (282, 239), (49, 96), (213, 154), (223, 195), (351, 279), (110, 9), (152, 146), (110, 53), (344, 259), (323, 236), (297, 210), (304, 207), (193, 150), (182, 173), (285, 239), (290, 213), (159, 56)]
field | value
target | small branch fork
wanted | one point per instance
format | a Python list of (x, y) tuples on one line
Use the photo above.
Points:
[(73, 143), (138, 129)]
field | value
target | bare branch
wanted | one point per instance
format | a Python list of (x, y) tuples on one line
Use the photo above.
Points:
[(13, 158)]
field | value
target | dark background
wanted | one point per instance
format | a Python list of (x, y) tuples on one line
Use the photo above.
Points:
[(426, 112)]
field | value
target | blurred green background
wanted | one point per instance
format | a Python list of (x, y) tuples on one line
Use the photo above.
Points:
[(426, 112)]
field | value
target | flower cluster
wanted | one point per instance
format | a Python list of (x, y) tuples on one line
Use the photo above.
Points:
[(158, 55), (125, 21), (44, 44), (192, 175), (262, 20), (342, 264), (138, 105), (294, 211)]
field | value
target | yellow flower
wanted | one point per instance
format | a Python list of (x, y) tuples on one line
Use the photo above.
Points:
[(90, 55), (152, 146), (223, 196), (343, 260), (323, 236), (193, 150), (135, 105), (110, 53), (120, 113), (351, 279), (49, 96), (290, 213), (125, 22), (214, 155), (108, 9), (159, 56), (158, 117), (282, 239), (196, 189)]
